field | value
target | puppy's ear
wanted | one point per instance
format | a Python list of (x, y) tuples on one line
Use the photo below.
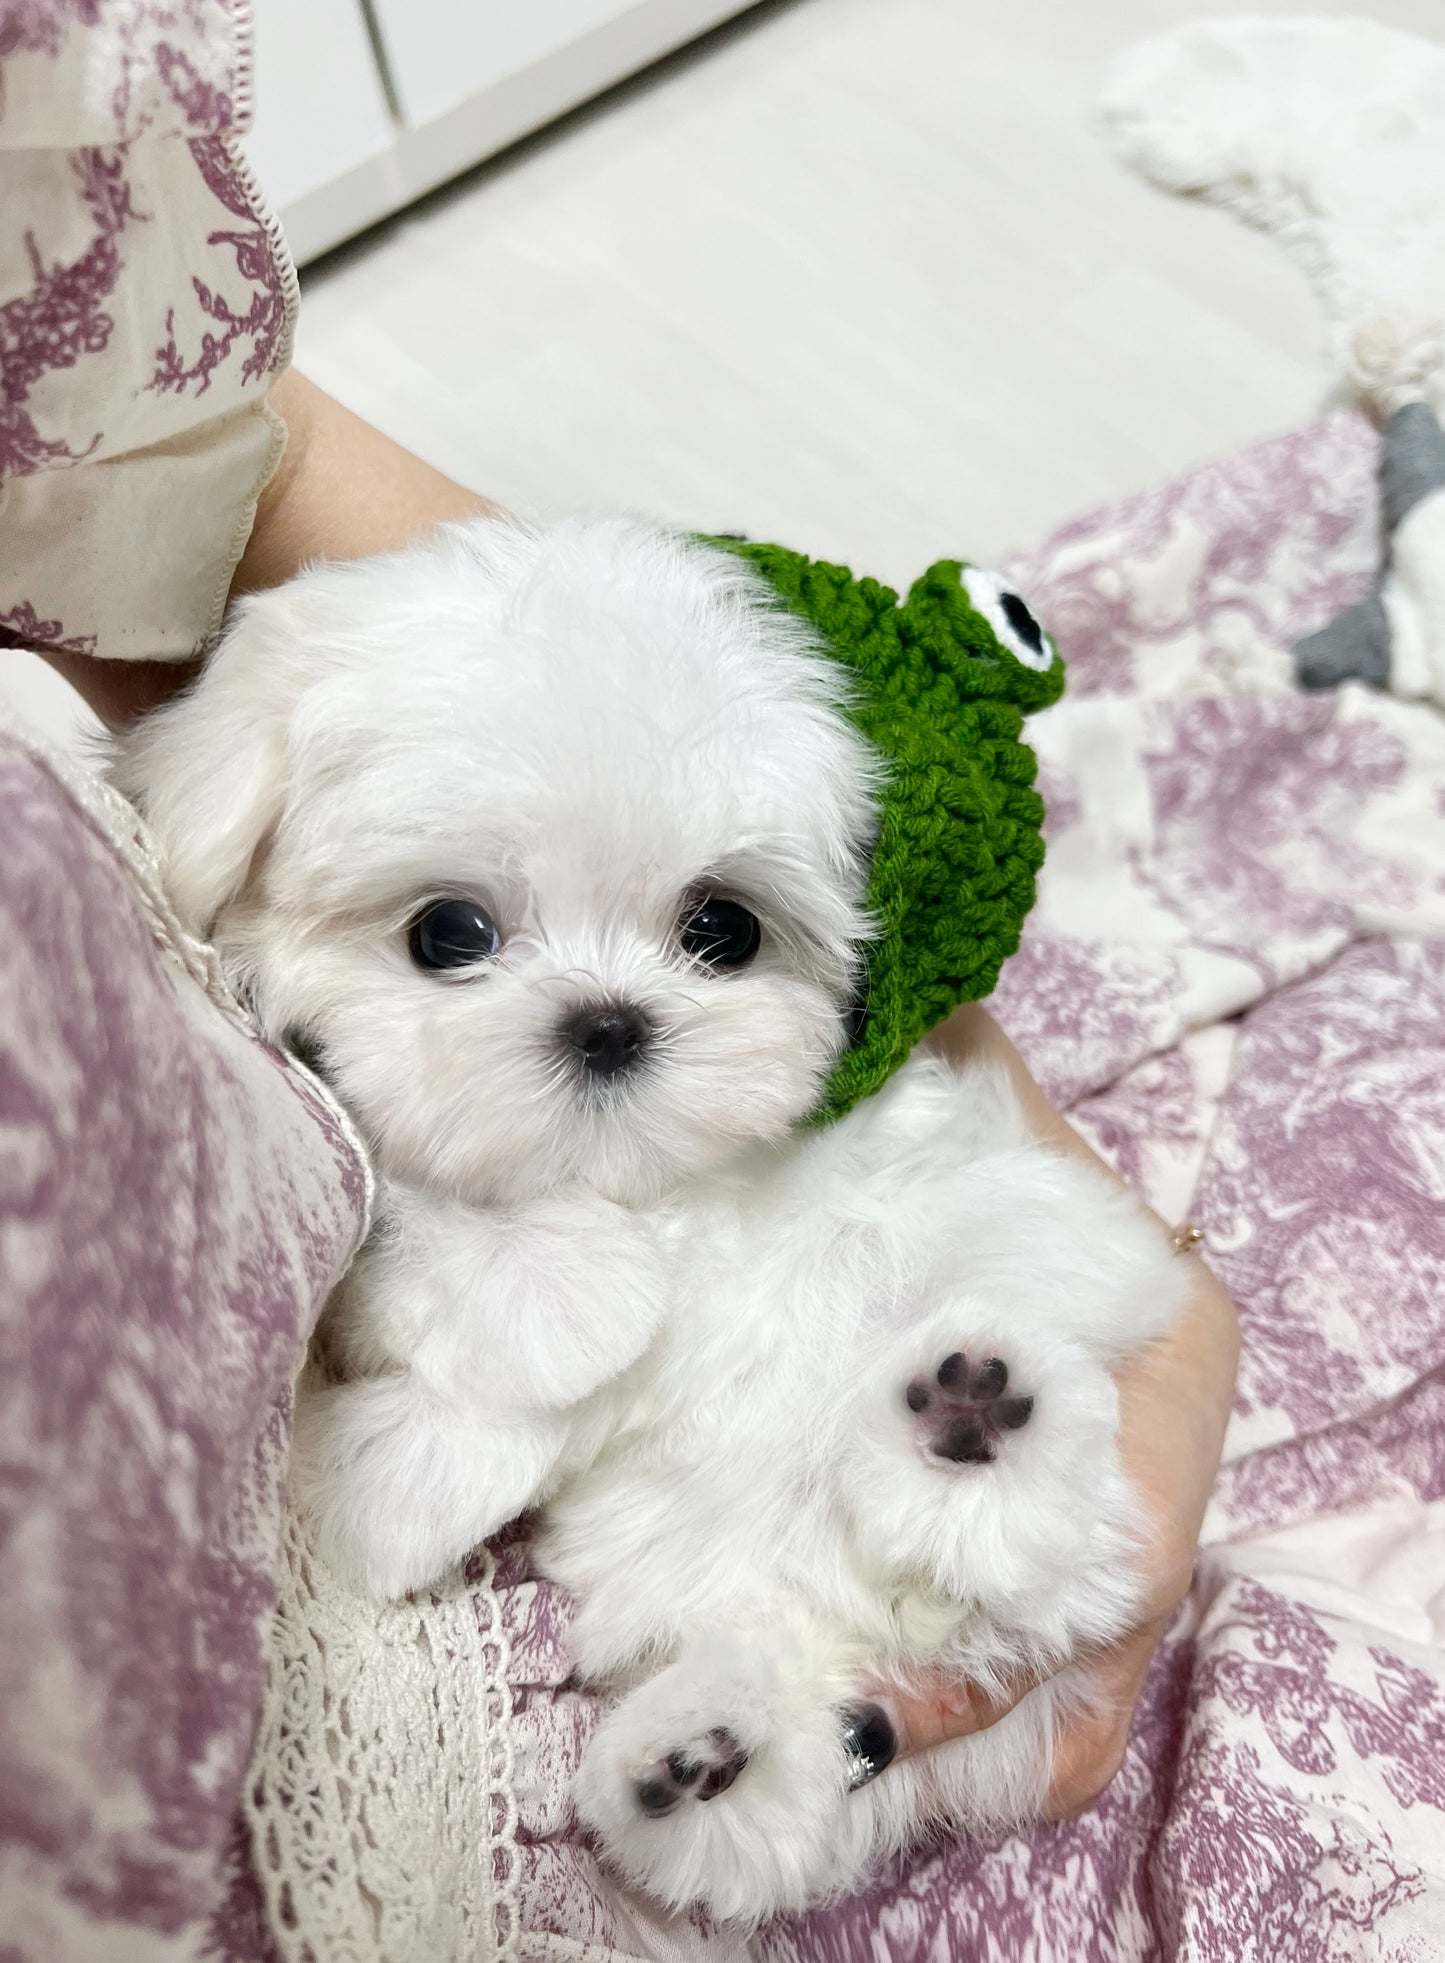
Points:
[(209, 771)]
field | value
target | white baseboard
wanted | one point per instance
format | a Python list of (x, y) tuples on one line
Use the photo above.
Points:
[(423, 158)]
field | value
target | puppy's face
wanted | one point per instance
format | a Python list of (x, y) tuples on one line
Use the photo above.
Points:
[(552, 846)]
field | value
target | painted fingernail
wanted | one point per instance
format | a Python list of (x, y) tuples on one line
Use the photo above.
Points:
[(869, 1742)]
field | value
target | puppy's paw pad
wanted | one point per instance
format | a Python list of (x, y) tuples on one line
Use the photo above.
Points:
[(699, 1770), (964, 1407)]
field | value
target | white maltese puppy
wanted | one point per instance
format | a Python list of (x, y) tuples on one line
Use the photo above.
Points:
[(551, 847)]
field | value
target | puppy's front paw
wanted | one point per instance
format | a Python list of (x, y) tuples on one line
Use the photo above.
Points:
[(964, 1409), (365, 1517), (398, 1486)]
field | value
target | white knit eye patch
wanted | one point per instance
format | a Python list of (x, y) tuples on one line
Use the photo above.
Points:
[(1007, 615)]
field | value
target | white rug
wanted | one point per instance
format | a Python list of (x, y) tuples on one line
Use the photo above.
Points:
[(1330, 136)]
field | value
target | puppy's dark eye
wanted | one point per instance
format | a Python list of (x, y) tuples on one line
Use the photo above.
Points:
[(721, 933), (453, 934)]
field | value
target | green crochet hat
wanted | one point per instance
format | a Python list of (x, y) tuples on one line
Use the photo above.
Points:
[(943, 682)]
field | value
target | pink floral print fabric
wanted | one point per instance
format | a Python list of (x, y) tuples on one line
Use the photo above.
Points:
[(146, 303), (176, 1203), (1235, 981)]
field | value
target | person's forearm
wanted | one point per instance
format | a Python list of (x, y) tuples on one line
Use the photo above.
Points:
[(1205, 1344), (971, 1035), (342, 490)]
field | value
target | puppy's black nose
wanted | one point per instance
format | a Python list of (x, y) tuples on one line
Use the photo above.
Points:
[(608, 1038)]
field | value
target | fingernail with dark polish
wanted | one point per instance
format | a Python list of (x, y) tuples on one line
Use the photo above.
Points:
[(869, 1741)]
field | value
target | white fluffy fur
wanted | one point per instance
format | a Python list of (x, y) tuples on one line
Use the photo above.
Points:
[(657, 1304)]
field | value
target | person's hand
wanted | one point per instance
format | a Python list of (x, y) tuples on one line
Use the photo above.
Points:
[(1174, 1405)]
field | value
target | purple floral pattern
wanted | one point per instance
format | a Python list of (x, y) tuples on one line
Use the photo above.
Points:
[(171, 67), (260, 330), (1235, 977), (1083, 1010), (1308, 1193), (175, 1206), (22, 627), (1280, 538), (149, 301), (62, 318)]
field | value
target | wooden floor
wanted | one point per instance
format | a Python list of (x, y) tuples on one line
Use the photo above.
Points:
[(854, 274)]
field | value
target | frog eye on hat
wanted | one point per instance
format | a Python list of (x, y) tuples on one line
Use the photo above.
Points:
[(1013, 625)]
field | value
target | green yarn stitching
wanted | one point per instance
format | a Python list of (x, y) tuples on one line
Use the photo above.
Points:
[(959, 841)]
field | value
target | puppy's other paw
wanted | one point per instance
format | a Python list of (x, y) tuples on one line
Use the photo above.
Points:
[(723, 1781), (964, 1408), (699, 1770)]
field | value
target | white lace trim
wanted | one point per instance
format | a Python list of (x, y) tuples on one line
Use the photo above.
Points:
[(380, 1804)]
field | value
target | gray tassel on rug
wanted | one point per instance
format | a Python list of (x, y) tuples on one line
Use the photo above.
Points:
[(1395, 638)]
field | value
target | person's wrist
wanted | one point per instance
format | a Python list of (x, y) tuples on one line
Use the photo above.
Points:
[(270, 551)]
